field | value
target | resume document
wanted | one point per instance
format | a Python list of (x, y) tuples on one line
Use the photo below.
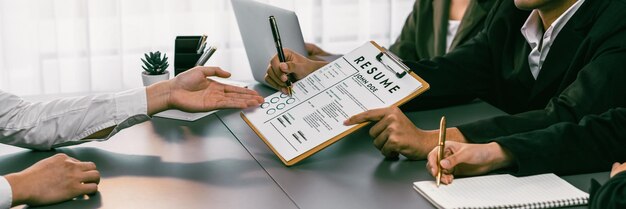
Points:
[(314, 114)]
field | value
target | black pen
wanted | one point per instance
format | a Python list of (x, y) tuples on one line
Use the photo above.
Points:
[(281, 54)]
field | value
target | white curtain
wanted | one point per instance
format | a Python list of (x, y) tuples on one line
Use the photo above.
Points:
[(69, 46)]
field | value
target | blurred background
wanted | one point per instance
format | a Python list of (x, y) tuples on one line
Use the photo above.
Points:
[(50, 47)]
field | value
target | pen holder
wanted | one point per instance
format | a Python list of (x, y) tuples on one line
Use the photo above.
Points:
[(185, 53)]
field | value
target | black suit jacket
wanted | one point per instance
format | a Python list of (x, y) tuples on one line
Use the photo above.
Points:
[(591, 145), (584, 71)]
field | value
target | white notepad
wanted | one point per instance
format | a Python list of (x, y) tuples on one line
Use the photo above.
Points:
[(503, 191)]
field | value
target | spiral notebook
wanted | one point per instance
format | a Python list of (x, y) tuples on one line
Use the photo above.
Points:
[(503, 191)]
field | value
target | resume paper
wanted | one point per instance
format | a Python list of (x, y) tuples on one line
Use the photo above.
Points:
[(314, 114)]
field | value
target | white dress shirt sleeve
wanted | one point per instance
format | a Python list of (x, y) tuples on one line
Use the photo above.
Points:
[(63, 122), (6, 195)]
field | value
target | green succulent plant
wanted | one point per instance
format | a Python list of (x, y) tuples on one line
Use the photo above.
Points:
[(153, 64)]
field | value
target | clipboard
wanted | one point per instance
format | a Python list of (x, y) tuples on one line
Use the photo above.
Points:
[(389, 60)]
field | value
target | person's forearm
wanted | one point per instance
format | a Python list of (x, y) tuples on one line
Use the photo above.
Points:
[(431, 137), (452, 134), (157, 96), (67, 121), (592, 145), (499, 157), (455, 134)]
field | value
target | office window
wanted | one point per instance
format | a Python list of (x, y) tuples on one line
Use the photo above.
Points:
[(69, 46)]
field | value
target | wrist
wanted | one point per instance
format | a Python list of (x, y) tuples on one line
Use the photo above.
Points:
[(426, 141), (20, 196), (500, 157), (455, 135), (158, 97)]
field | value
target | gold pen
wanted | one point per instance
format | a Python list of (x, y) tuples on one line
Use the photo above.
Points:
[(442, 146)]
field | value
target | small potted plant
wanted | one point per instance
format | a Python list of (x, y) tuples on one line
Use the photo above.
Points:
[(155, 68)]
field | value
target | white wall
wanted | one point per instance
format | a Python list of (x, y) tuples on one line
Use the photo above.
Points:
[(69, 46)]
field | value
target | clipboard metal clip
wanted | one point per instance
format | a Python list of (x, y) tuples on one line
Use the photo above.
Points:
[(386, 56)]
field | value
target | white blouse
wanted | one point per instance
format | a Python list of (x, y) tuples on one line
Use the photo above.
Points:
[(453, 27)]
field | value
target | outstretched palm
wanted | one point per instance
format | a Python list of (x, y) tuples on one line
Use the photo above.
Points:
[(193, 92)]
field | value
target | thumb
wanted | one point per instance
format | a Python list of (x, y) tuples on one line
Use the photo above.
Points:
[(452, 160), (615, 169), (615, 165), (214, 71)]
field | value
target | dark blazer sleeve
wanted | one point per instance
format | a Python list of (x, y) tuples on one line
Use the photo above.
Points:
[(451, 76), (612, 195), (406, 43), (592, 145), (599, 86)]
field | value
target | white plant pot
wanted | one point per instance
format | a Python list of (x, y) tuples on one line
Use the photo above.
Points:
[(151, 79)]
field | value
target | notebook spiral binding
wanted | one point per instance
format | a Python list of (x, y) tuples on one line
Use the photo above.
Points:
[(561, 203), (539, 205)]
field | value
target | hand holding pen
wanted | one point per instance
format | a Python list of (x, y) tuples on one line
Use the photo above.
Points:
[(449, 158), (287, 66), (281, 54), (295, 64)]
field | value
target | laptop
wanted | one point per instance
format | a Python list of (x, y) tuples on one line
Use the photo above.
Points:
[(252, 18)]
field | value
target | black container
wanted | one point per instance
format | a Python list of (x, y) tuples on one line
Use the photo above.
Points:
[(185, 53)]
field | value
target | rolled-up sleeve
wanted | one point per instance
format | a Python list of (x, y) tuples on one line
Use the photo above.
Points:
[(6, 194), (69, 121)]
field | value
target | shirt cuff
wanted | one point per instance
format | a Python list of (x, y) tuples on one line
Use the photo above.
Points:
[(6, 194), (130, 103)]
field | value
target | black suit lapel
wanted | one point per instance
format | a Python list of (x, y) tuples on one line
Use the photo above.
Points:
[(521, 65), (564, 50)]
